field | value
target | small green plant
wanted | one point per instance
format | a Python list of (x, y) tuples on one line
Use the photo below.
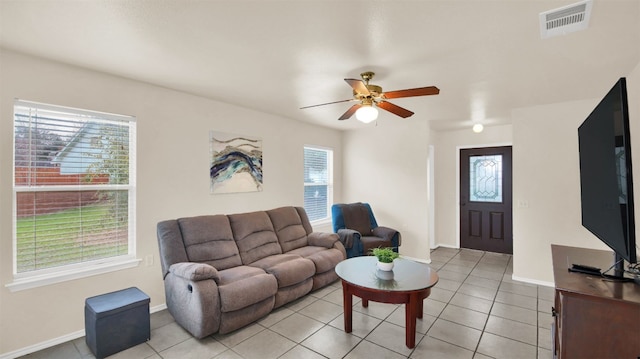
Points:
[(385, 255)]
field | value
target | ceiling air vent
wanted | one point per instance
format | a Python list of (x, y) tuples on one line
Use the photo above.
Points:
[(566, 19)]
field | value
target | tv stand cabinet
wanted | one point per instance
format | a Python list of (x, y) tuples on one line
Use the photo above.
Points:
[(594, 318)]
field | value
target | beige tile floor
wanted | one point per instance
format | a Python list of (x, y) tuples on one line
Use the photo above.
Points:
[(475, 311)]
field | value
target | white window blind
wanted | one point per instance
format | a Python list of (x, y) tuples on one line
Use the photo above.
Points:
[(74, 188), (318, 182)]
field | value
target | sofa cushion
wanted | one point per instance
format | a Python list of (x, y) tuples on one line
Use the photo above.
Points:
[(208, 239), (289, 294), (237, 273), (305, 219), (287, 268), (242, 293), (289, 228), (230, 321), (325, 259), (306, 251), (170, 245), (254, 236)]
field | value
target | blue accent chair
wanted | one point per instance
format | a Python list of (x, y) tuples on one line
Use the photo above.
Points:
[(358, 229)]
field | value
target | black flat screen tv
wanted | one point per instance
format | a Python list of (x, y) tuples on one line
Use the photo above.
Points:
[(606, 183)]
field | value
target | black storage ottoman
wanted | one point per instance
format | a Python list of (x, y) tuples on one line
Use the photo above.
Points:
[(116, 321)]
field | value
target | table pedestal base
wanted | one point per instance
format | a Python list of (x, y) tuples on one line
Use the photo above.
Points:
[(413, 301)]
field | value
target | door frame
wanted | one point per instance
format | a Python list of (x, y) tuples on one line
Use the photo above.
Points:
[(458, 148), (431, 197)]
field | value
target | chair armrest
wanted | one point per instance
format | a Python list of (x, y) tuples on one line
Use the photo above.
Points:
[(387, 233), (348, 237), (194, 271), (325, 240)]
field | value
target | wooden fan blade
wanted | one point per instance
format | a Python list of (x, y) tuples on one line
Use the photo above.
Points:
[(420, 91), (350, 112), (358, 86), (394, 109), (328, 103)]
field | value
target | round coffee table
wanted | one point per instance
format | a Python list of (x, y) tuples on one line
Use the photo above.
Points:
[(408, 283)]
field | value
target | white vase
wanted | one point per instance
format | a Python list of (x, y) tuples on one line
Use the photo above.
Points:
[(385, 266)]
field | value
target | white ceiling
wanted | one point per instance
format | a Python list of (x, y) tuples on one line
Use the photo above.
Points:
[(487, 57)]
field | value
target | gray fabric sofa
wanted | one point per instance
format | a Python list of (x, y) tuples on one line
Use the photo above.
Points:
[(222, 272)]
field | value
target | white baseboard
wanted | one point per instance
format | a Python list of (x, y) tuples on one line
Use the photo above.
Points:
[(158, 308), (43, 345), (445, 246), (533, 281), (59, 340), (421, 260)]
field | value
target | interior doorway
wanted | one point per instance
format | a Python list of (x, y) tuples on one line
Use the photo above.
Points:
[(486, 215)]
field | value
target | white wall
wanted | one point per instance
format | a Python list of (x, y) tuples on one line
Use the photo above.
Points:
[(172, 162), (386, 166), (546, 176), (447, 175)]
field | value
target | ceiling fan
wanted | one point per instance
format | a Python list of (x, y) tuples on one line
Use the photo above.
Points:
[(370, 96)]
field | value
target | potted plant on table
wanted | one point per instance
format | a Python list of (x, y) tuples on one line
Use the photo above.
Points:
[(385, 257)]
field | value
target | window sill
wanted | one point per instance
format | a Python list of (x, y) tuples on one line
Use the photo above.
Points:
[(322, 225), (63, 276), (321, 221)]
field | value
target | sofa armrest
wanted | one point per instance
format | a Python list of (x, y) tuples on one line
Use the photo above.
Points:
[(193, 303), (194, 271), (327, 240), (320, 239), (348, 237), (388, 234)]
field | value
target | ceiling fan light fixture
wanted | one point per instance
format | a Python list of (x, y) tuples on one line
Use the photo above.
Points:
[(370, 96), (478, 127), (367, 114)]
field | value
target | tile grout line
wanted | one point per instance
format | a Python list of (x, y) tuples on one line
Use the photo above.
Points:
[(492, 304), (475, 351)]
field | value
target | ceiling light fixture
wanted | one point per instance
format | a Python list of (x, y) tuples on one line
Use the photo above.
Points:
[(367, 114), (477, 128)]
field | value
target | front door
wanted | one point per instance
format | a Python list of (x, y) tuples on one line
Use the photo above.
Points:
[(485, 199)]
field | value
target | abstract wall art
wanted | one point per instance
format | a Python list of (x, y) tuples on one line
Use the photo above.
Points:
[(236, 163)]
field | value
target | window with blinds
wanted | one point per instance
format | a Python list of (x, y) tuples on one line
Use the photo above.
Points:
[(318, 182), (73, 188)]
